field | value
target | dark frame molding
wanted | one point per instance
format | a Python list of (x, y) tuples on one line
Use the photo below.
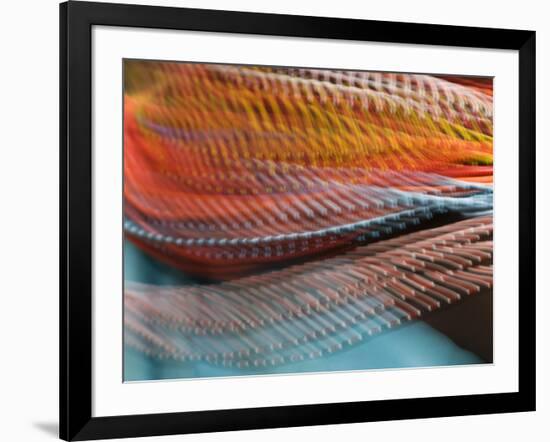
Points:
[(76, 21)]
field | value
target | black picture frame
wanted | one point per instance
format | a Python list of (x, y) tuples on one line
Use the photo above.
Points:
[(76, 21)]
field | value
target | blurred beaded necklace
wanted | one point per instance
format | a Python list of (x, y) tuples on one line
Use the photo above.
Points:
[(321, 207)]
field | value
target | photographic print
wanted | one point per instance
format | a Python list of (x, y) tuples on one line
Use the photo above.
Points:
[(283, 220)]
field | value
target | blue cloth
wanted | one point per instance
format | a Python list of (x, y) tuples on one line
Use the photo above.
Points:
[(412, 345)]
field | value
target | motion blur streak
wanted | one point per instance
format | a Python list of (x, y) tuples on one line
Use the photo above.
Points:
[(312, 208)]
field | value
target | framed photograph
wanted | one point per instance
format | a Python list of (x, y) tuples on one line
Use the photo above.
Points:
[(274, 220)]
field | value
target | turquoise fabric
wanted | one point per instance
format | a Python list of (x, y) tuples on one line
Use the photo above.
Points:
[(412, 345)]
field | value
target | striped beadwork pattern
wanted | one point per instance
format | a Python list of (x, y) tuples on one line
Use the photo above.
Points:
[(320, 206)]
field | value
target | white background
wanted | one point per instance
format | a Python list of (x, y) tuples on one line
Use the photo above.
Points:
[(112, 397), (29, 221)]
